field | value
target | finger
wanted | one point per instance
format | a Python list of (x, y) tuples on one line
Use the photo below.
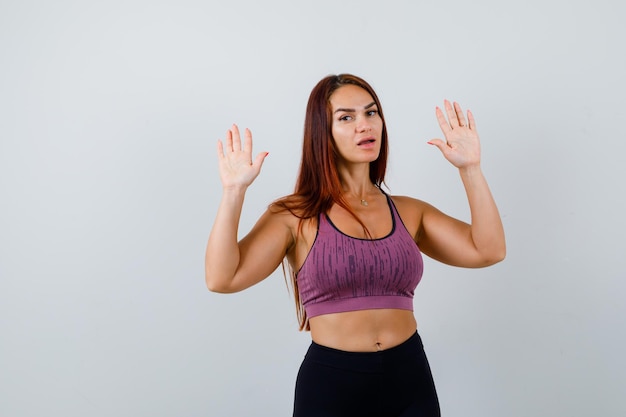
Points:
[(220, 149), (236, 138), (454, 121), (443, 123), (439, 144), (258, 161), (472, 121), (229, 141), (247, 144), (459, 114)]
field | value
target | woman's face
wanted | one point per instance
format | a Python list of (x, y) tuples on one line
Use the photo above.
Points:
[(356, 127)]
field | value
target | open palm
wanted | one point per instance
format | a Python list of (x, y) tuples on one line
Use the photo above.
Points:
[(237, 169), (462, 145)]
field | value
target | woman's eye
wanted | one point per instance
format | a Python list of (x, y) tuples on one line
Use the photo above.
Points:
[(345, 118), (372, 112)]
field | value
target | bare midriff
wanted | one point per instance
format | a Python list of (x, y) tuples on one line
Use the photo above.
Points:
[(364, 330)]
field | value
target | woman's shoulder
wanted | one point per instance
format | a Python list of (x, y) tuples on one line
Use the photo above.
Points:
[(289, 212), (297, 206), (280, 212), (302, 227), (286, 206), (411, 211), (408, 203)]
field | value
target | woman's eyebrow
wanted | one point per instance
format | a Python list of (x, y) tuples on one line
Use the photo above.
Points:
[(373, 103)]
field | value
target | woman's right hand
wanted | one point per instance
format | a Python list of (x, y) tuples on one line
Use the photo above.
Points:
[(237, 169)]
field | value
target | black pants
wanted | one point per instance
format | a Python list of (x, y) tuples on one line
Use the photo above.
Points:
[(396, 382)]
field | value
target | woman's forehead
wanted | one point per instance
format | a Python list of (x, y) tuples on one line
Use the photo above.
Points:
[(350, 97)]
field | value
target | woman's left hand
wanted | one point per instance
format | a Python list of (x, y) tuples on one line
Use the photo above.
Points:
[(461, 146)]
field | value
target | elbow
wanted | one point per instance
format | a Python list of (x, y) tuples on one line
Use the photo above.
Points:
[(215, 284), (488, 256), (217, 287), (500, 257), (213, 287), (495, 256), (502, 252)]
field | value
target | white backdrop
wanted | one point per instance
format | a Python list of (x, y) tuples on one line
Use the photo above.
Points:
[(109, 115)]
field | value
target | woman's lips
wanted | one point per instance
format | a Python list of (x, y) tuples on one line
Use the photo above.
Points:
[(366, 143)]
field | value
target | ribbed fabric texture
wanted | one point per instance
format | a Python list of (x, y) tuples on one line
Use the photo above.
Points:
[(344, 273)]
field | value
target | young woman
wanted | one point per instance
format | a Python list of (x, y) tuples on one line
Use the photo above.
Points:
[(354, 252)]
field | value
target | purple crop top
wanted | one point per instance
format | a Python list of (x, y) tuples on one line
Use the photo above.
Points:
[(343, 273)]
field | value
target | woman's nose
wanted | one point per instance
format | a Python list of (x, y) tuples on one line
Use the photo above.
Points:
[(364, 125)]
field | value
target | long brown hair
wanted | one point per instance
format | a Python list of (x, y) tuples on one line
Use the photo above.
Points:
[(318, 185)]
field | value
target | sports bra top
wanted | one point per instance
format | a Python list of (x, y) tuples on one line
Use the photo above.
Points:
[(343, 273)]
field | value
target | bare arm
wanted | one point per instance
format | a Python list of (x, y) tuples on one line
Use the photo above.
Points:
[(230, 265), (482, 242)]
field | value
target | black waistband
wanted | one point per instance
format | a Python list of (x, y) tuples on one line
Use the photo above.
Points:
[(408, 350)]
